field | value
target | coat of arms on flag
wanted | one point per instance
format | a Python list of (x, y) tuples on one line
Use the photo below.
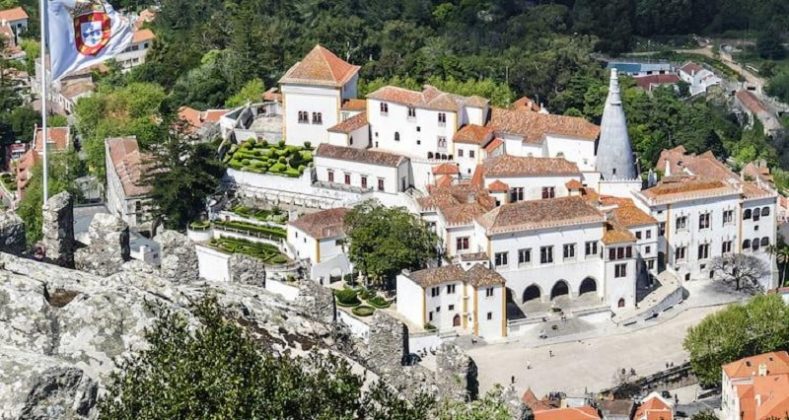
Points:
[(83, 33)]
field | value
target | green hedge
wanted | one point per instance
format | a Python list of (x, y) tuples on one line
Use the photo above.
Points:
[(379, 302), (273, 231), (366, 294), (267, 253), (363, 310), (347, 297), (264, 158)]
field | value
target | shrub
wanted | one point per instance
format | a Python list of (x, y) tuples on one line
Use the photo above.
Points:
[(379, 302), (282, 159), (281, 144), (277, 168), (293, 173), (366, 294), (263, 143), (363, 310), (347, 298), (307, 145)]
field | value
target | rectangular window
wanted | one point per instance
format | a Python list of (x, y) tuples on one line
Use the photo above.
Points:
[(651, 264), (411, 112), (364, 182), (728, 216), (304, 117), (704, 251), (442, 119), (638, 235), (548, 192), (569, 251), (462, 243), (490, 316), (647, 250), (679, 253), (451, 307), (435, 291), (471, 154), (620, 253), (620, 270), (524, 256), (438, 309), (347, 179), (430, 316), (662, 229), (380, 184), (726, 247), (591, 248), (704, 221), (681, 223), (450, 289), (331, 175), (501, 259), (546, 255), (317, 118), (756, 215), (384, 108), (629, 252), (516, 194), (649, 233), (611, 254), (489, 292), (442, 142), (460, 152)]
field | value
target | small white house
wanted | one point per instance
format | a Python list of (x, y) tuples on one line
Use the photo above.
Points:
[(699, 78), (127, 197), (320, 239), (135, 54), (361, 170), (449, 298), (15, 18)]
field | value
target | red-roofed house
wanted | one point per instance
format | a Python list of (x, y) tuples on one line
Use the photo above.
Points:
[(313, 91), (656, 80), (654, 407), (756, 387), (699, 78), (15, 18), (137, 50), (127, 197), (203, 125), (319, 239), (59, 140)]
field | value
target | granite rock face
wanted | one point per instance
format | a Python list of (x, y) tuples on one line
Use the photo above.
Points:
[(109, 246), (456, 373), (247, 270), (179, 257), (317, 301), (12, 233), (58, 230)]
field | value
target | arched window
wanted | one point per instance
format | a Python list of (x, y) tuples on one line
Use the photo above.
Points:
[(397, 136), (747, 214), (765, 211), (621, 303), (765, 241), (755, 244), (430, 155), (746, 244)]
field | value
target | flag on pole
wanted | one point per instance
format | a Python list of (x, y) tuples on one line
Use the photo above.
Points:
[(83, 33)]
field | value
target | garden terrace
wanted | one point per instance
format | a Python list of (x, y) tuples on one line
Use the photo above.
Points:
[(269, 254), (274, 216), (266, 232), (264, 158)]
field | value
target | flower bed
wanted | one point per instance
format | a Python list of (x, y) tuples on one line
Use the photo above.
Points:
[(266, 231), (275, 216), (263, 158), (269, 254), (363, 310)]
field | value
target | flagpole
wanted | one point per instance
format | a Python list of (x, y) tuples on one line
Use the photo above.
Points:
[(44, 95)]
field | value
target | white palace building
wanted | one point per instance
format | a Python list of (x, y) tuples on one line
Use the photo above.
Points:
[(531, 208)]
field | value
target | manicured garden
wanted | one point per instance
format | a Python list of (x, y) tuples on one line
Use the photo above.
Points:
[(352, 298), (271, 232), (264, 158), (275, 215), (269, 254)]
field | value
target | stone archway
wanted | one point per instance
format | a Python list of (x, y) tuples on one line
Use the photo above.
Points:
[(532, 292), (588, 285), (561, 288)]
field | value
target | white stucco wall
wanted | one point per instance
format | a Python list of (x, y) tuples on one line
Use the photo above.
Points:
[(412, 142), (533, 185), (326, 100), (493, 305), (410, 300), (390, 175), (212, 264), (580, 152)]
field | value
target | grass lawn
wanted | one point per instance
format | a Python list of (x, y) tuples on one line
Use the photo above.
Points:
[(269, 254), (264, 158)]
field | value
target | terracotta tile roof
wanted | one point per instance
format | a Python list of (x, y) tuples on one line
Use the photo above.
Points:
[(615, 234), (272, 95), (143, 35), (777, 364), (527, 104), (654, 408), (59, 138), (129, 164), (773, 391), (9, 15), (751, 190), (647, 82), (428, 98), (627, 215), (691, 68), (535, 403), (458, 204), (684, 188), (616, 408), (493, 145), (323, 224), (320, 67), (537, 214), (351, 124), (473, 134), (477, 101), (751, 102), (354, 105), (515, 166), (463, 214), (747, 401), (446, 169), (573, 184), (371, 157), (703, 165), (758, 170), (444, 181), (498, 186), (570, 413), (475, 256), (195, 119), (534, 126), (476, 276)]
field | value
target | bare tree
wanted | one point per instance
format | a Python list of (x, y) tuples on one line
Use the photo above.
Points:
[(741, 271)]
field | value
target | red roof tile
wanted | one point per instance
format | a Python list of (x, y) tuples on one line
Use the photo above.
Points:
[(143, 35), (776, 363), (691, 68), (372, 157), (428, 98), (498, 186), (129, 164), (536, 214), (323, 224), (751, 102), (446, 169), (354, 105), (58, 137), (10, 15), (320, 67), (534, 126), (473, 134), (351, 124), (569, 413), (515, 166), (647, 82)]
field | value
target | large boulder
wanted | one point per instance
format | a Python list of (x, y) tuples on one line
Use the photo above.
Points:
[(109, 246), (456, 373), (247, 270), (58, 230), (12, 233), (317, 301), (179, 257)]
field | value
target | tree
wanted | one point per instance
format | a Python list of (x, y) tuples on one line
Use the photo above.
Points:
[(741, 271), (781, 253), (769, 45), (761, 325), (214, 369), (384, 241), (251, 92), (182, 176), (705, 415)]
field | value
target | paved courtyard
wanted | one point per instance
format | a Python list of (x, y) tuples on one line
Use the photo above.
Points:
[(588, 364)]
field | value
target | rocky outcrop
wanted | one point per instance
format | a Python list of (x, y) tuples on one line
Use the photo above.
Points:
[(109, 246), (456, 373), (247, 270), (317, 301), (179, 257), (12, 233), (58, 230), (388, 343)]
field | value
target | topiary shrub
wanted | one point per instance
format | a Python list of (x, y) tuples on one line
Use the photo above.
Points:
[(277, 168), (366, 294), (281, 144), (379, 302), (363, 310), (347, 298)]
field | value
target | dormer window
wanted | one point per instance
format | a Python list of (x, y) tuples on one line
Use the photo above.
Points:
[(384, 108)]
